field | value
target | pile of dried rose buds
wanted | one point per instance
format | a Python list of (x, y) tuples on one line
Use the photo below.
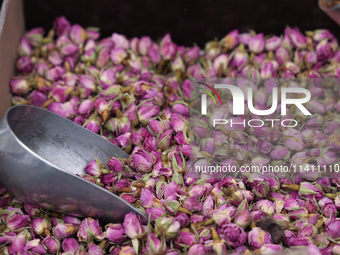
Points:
[(136, 94)]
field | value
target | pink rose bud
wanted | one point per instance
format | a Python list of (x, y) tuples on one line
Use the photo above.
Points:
[(263, 146), (93, 125), (192, 204), (197, 249), (63, 230), (223, 216), (265, 206), (115, 165), (92, 33), (234, 235), (64, 109), (157, 127), (69, 49), (257, 237), (37, 98), (281, 55), (271, 249), (324, 50), (35, 36), (272, 43), (127, 250), (119, 125), (16, 100), (147, 111), (230, 41), (24, 65), (93, 168), (297, 38), (189, 238), (146, 197), (107, 78), (77, 34), (298, 214), (321, 34), (240, 59), (52, 244), (310, 58), (72, 220), (117, 55), (142, 161), (279, 153), (35, 247), (70, 245), (167, 227), (86, 107), (24, 47), (120, 41), (62, 26), (17, 221), (309, 231), (309, 191), (144, 45), (164, 140), (19, 86), (153, 53), (89, 230), (220, 63), (155, 245), (155, 212), (257, 43), (94, 250), (191, 55), (132, 225), (333, 230), (39, 225), (32, 211), (115, 233), (167, 48)]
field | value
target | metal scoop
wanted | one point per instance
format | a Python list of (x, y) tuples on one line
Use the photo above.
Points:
[(332, 11), (40, 155)]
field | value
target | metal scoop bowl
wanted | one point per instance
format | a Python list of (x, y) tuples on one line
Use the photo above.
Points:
[(40, 155)]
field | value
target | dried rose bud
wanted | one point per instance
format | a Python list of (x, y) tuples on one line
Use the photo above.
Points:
[(164, 140), (146, 111), (309, 191), (155, 245), (89, 230), (224, 216), (117, 55), (297, 38), (93, 168), (272, 43), (257, 237), (19, 86), (189, 238), (298, 214), (63, 230), (279, 153), (234, 234), (257, 43), (120, 41), (35, 247), (115, 232), (167, 227), (52, 244), (324, 50), (333, 230), (155, 212), (39, 225), (70, 245), (86, 107)]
